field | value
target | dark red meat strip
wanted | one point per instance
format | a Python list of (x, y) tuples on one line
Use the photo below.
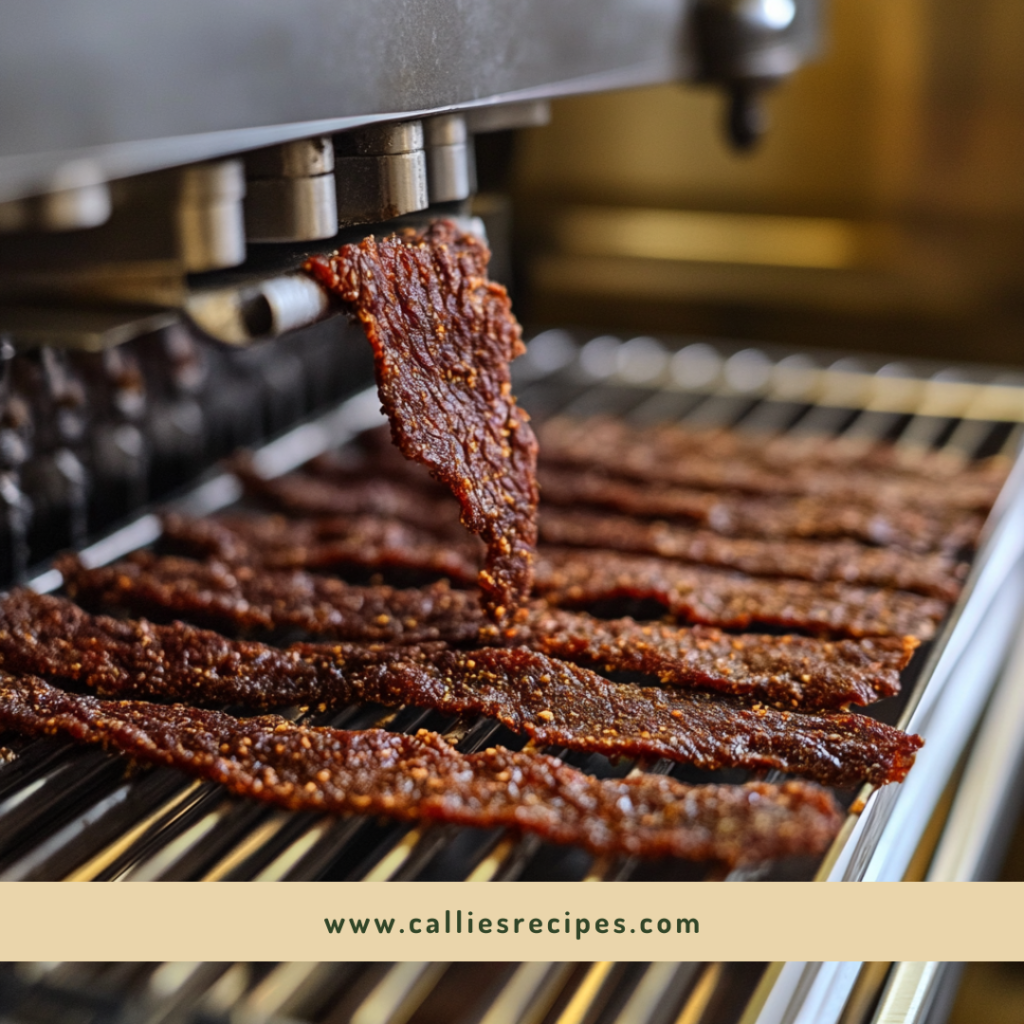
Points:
[(333, 543), (935, 575), (725, 460), (787, 670), (718, 598), (243, 598), (793, 671), (336, 541), (548, 700), (443, 337), (305, 494), (421, 778), (913, 529)]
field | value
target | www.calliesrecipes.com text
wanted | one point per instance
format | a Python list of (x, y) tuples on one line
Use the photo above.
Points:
[(460, 922)]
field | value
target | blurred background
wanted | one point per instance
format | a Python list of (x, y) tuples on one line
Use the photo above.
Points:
[(883, 210)]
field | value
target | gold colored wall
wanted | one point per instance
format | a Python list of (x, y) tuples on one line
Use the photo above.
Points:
[(884, 209)]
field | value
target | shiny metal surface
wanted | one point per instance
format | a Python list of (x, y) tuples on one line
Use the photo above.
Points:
[(130, 86), (291, 192), (451, 171)]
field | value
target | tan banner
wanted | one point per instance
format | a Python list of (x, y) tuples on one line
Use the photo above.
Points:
[(511, 921)]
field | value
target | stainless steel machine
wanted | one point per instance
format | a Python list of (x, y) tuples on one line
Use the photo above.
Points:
[(164, 174)]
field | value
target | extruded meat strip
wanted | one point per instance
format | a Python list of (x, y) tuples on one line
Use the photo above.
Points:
[(369, 541), (788, 670), (603, 440), (715, 597), (935, 575), (919, 530), (793, 671), (443, 337), (548, 700), (240, 597), (582, 576), (421, 778), (305, 494), (337, 541)]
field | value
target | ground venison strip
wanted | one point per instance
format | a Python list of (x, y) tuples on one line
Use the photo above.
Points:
[(788, 670), (421, 778), (443, 337), (579, 576), (675, 449), (246, 598), (558, 704), (336, 541), (935, 575), (732, 515), (367, 541), (945, 533), (715, 597), (305, 494), (550, 701), (252, 598)]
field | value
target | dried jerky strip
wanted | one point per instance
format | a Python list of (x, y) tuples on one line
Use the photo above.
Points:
[(443, 337), (935, 575), (337, 541), (916, 530), (368, 541), (555, 703), (718, 598), (548, 700), (791, 670), (611, 442), (421, 778), (304, 494), (246, 598), (786, 670)]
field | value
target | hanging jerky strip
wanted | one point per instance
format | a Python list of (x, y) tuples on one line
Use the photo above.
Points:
[(719, 461), (421, 778), (913, 529), (443, 337), (550, 701), (715, 597)]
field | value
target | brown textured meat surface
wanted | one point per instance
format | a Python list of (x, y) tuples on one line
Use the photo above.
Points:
[(421, 778), (443, 337), (558, 704), (372, 540), (304, 494), (552, 702), (715, 597), (792, 671), (368, 541), (912, 529), (725, 460), (934, 575), (239, 597), (48, 635)]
